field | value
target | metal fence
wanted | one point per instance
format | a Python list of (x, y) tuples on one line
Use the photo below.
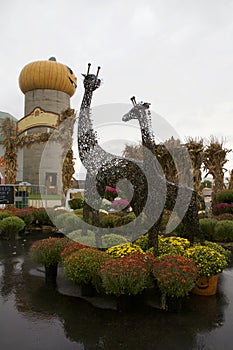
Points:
[(30, 196)]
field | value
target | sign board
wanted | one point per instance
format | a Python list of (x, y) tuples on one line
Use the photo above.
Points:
[(36, 119), (6, 194)]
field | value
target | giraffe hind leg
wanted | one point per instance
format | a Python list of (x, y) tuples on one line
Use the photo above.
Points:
[(191, 223)]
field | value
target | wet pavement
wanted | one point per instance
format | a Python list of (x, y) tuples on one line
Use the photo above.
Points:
[(34, 317)]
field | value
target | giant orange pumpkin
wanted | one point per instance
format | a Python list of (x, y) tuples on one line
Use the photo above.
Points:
[(47, 75)]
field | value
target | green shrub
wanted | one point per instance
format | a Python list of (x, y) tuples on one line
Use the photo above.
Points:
[(88, 239), (225, 196), (124, 220), (11, 225), (106, 220), (59, 220), (28, 219), (143, 242), (72, 223), (76, 203), (41, 217), (206, 183), (181, 231), (207, 226), (5, 214), (26, 216), (110, 240), (52, 213), (223, 231)]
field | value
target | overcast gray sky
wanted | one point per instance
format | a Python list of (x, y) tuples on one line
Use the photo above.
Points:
[(176, 54)]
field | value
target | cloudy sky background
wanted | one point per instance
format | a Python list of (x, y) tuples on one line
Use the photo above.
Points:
[(176, 54)]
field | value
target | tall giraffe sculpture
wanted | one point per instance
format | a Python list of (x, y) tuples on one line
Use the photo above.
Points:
[(103, 168), (189, 211)]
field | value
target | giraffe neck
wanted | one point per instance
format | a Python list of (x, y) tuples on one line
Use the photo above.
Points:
[(86, 136), (149, 146), (147, 133)]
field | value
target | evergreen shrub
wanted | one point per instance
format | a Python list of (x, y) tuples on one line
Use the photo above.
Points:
[(207, 226), (223, 231)]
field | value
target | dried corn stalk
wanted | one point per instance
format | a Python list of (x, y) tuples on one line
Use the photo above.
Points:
[(196, 152), (230, 185), (214, 161)]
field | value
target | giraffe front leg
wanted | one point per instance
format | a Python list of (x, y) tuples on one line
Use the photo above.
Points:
[(153, 236)]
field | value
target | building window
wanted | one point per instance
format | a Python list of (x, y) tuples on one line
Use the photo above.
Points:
[(51, 179)]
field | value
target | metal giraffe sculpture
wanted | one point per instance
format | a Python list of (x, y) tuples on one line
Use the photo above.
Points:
[(103, 168), (141, 112)]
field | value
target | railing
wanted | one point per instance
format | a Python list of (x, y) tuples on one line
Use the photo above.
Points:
[(29, 196)]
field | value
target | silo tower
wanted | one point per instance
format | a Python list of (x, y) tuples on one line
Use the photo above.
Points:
[(48, 87)]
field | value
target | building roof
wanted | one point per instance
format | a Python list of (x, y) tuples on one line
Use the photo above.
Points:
[(47, 75)]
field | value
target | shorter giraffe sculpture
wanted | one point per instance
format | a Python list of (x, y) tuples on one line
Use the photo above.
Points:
[(141, 112)]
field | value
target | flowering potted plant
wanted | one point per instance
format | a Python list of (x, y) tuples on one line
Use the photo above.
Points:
[(121, 250), (172, 245), (210, 262), (48, 253), (125, 277), (222, 208), (72, 247), (128, 275), (120, 204), (82, 267), (176, 276), (110, 193)]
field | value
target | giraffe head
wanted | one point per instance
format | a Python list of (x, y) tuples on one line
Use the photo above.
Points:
[(91, 81), (138, 111)]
